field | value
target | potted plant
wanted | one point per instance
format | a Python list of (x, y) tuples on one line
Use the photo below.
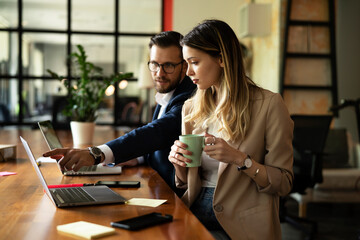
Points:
[(86, 92)]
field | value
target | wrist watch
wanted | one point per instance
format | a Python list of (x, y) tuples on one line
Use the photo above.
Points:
[(247, 164), (96, 153)]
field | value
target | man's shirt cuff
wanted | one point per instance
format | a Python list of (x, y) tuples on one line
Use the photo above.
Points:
[(141, 160), (109, 156)]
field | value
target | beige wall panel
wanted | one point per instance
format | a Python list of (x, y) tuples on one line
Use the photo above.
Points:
[(308, 72), (309, 39), (314, 10), (307, 102)]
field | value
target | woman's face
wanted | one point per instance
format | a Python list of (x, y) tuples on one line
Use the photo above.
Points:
[(204, 70)]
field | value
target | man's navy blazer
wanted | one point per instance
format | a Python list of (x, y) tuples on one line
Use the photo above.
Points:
[(154, 140)]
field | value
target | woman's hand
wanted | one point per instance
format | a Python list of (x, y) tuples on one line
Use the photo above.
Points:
[(220, 150), (176, 154)]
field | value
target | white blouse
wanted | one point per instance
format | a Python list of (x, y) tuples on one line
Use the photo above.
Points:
[(209, 166)]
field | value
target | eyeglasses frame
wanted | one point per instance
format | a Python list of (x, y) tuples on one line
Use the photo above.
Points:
[(162, 65)]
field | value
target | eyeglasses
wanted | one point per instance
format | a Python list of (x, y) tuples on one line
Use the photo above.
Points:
[(167, 67)]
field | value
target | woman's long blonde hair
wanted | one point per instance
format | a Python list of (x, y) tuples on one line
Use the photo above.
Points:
[(231, 105)]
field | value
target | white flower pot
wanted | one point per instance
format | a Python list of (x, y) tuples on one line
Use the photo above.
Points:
[(82, 133)]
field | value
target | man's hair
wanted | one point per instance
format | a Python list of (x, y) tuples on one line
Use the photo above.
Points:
[(166, 39)]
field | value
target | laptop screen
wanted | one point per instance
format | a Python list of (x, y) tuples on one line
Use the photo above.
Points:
[(49, 134), (37, 169)]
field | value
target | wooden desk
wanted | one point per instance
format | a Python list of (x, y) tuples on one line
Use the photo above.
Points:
[(27, 213)]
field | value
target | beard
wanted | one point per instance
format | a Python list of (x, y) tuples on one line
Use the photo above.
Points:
[(166, 84)]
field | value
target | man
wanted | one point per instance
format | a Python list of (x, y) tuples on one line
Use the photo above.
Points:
[(151, 142)]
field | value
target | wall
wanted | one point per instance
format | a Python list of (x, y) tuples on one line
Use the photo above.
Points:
[(265, 50), (348, 60), (188, 13)]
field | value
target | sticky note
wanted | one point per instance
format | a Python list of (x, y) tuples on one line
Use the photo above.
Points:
[(7, 173), (85, 230)]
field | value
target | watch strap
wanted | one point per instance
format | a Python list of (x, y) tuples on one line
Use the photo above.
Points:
[(243, 167), (97, 158)]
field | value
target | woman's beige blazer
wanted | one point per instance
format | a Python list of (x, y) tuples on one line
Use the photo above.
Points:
[(245, 210)]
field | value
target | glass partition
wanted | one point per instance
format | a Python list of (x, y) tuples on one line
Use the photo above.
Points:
[(99, 50), (9, 100), (93, 15), (9, 14), (40, 98), (44, 51), (45, 14), (46, 42)]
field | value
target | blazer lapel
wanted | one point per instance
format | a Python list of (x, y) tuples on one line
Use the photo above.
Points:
[(222, 167), (156, 112)]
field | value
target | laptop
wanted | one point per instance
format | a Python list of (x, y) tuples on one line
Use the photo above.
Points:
[(74, 196), (53, 142)]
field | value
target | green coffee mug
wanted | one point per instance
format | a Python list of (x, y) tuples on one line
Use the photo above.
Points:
[(195, 144)]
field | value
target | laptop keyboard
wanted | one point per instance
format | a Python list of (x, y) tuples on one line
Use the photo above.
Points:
[(89, 168), (83, 170), (73, 195)]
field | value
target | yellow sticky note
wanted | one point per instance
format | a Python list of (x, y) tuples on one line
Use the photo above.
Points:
[(85, 230), (145, 202)]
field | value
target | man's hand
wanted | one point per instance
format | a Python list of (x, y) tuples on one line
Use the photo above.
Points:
[(71, 159)]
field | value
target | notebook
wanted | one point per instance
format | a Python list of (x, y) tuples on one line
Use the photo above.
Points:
[(83, 229), (53, 142), (74, 196)]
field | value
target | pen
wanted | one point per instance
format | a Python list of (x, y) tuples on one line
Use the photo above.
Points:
[(71, 185)]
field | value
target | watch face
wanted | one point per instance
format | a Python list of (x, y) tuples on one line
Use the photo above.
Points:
[(96, 150), (248, 163)]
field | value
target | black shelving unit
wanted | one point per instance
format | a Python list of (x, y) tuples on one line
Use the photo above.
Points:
[(331, 56)]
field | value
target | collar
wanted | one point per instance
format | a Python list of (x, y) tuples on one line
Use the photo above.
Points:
[(163, 98)]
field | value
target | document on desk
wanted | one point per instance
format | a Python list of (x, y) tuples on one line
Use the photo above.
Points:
[(145, 202), (46, 160)]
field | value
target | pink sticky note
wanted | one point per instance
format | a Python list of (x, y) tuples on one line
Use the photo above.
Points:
[(7, 173)]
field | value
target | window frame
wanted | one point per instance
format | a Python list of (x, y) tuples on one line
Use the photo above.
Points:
[(22, 78)]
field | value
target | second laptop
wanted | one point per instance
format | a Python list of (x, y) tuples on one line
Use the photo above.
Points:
[(53, 142)]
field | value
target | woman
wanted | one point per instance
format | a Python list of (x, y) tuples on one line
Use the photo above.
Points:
[(248, 157)]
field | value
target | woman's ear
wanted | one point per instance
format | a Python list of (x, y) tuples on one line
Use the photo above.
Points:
[(184, 68), (185, 65), (221, 62)]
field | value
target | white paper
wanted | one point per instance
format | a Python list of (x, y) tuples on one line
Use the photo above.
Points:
[(146, 202)]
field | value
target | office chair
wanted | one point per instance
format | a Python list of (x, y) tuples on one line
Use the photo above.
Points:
[(129, 113), (345, 103), (310, 134)]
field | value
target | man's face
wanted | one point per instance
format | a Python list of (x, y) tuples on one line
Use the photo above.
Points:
[(166, 82)]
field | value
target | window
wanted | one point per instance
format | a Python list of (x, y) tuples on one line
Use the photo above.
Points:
[(114, 33)]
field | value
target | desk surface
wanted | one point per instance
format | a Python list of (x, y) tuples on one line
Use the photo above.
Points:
[(27, 213)]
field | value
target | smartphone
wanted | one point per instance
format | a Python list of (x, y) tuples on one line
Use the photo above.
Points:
[(124, 184), (143, 221)]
